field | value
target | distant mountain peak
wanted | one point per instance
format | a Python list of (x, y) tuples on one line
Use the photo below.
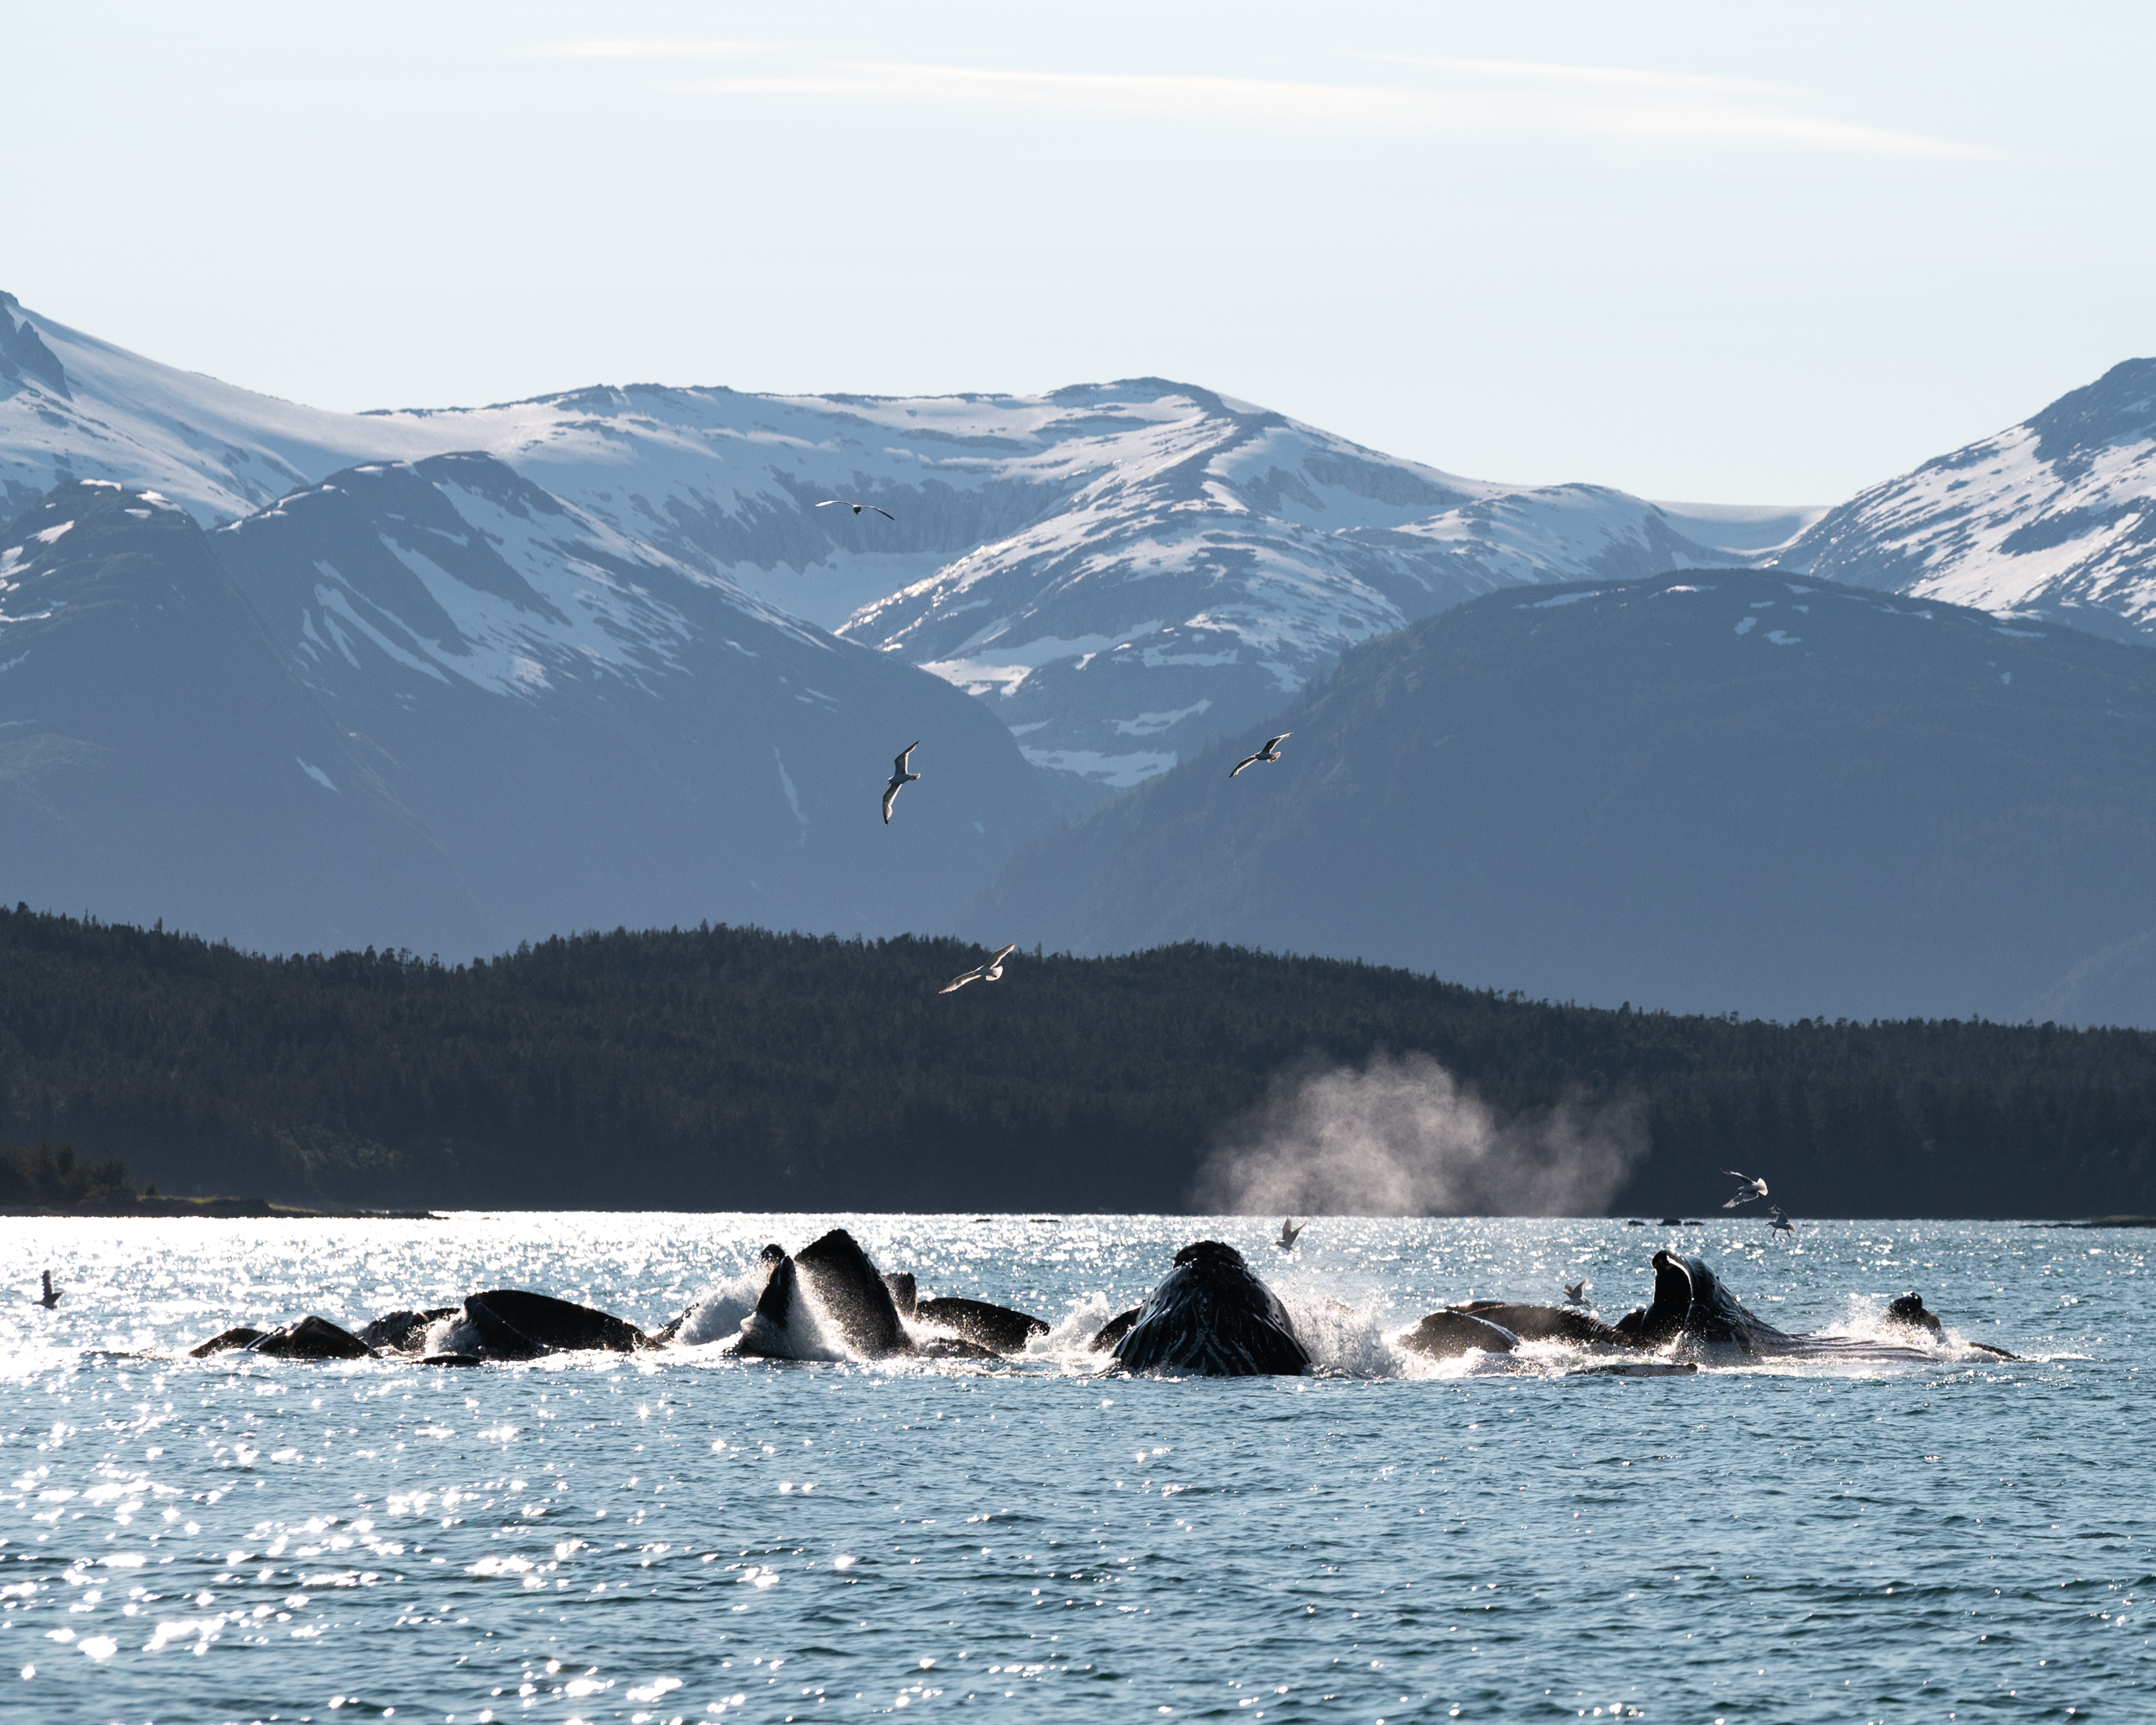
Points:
[(2119, 407), (24, 354)]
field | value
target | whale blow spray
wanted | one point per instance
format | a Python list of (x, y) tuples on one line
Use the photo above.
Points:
[(1400, 1138)]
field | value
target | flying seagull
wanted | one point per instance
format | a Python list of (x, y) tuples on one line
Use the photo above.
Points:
[(990, 972), (899, 775), (52, 1293), (1270, 752), (841, 503), (1781, 1224), (1753, 1188), (1290, 1233), (1575, 1292)]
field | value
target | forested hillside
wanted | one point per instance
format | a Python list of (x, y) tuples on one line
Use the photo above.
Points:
[(719, 1068)]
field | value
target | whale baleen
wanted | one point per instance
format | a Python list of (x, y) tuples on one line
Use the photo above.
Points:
[(1210, 1317)]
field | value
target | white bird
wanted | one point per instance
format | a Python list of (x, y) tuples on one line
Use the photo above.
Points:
[(1754, 1188), (1781, 1224), (841, 503), (990, 972), (899, 775), (1290, 1233), (1270, 752), (52, 1293), (1575, 1292)]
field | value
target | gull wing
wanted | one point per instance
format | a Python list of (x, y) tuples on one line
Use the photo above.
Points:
[(899, 766), (996, 963), (885, 513), (1247, 761), (890, 796), (1273, 742), (958, 983), (834, 502)]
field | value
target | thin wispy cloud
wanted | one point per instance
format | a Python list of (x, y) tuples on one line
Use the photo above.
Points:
[(643, 50), (1469, 97)]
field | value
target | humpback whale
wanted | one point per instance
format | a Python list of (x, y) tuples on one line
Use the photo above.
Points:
[(311, 1338), (511, 1323), (1453, 1332), (1210, 1317), (848, 1290), (1693, 1310), (867, 1309), (996, 1327)]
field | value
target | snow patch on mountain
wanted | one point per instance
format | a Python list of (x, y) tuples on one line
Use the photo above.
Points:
[(2056, 516)]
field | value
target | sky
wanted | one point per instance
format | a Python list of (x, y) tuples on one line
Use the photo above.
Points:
[(1704, 253)]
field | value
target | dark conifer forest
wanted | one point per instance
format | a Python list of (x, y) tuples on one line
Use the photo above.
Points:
[(732, 1069)]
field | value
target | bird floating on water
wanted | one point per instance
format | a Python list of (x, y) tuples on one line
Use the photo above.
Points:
[(841, 503), (1575, 1292), (1290, 1233), (990, 972), (1754, 1188), (1270, 752), (1781, 1224), (900, 776), (52, 1293)]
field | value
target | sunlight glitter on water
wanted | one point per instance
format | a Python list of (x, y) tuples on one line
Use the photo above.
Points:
[(682, 1535)]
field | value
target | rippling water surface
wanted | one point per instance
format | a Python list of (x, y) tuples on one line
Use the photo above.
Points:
[(683, 1535)]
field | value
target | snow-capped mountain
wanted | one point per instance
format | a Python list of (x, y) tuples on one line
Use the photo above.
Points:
[(160, 760), (599, 735), (1121, 572), (1727, 790), (2056, 516), (1216, 557)]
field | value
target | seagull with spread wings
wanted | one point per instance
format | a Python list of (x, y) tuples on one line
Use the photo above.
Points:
[(841, 503), (1270, 752), (990, 972), (1781, 1224), (901, 774), (1290, 1233), (52, 1293), (1753, 1188)]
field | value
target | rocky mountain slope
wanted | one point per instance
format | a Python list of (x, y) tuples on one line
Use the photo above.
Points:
[(1724, 791), (159, 761), (2055, 517), (1120, 572), (430, 706)]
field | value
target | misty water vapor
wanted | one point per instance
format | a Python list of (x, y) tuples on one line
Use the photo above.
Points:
[(1401, 1138)]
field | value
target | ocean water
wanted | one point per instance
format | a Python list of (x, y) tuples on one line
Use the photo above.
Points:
[(683, 1535)]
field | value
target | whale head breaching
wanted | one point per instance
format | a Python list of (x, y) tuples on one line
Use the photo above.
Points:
[(901, 776), (852, 1295), (51, 1294), (1211, 1317)]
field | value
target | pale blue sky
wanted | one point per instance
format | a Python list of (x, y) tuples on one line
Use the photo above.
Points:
[(1724, 253)]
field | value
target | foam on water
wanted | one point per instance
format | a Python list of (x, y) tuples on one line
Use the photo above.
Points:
[(690, 1534)]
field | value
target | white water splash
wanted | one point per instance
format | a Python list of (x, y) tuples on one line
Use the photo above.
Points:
[(717, 1316)]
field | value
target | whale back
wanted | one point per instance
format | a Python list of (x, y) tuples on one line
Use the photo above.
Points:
[(1210, 1317), (1542, 1323), (312, 1337), (1453, 1332), (514, 1323), (997, 1327)]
